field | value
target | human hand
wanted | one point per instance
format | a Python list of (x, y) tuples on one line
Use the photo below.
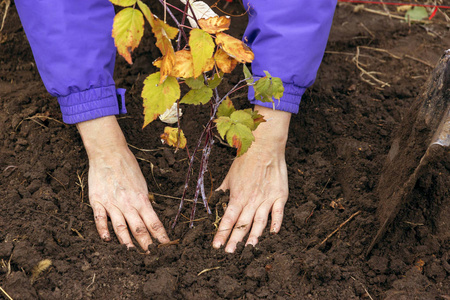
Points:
[(117, 187), (258, 184)]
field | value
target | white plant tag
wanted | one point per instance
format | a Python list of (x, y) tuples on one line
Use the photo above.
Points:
[(201, 11), (170, 115)]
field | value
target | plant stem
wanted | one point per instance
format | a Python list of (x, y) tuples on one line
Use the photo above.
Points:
[(174, 19)]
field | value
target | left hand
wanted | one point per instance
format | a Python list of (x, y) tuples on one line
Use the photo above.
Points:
[(258, 184)]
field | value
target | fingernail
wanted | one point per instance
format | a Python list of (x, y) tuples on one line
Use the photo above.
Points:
[(106, 238), (229, 250), (273, 231), (251, 242), (217, 244)]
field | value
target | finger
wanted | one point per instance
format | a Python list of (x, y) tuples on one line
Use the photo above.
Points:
[(277, 216), (153, 224), (259, 223), (138, 229), (226, 225), (241, 228), (101, 221), (120, 227)]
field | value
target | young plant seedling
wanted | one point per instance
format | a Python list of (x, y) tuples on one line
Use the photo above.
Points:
[(207, 55)]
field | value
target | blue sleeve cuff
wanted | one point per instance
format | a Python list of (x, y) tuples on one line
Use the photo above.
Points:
[(289, 102), (92, 104)]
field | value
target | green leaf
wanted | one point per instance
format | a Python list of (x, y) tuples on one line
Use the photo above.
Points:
[(128, 28), (248, 75), (277, 88), (223, 125), (196, 97), (202, 49), (215, 81), (263, 89), (416, 13), (158, 97), (123, 3), (268, 87), (240, 136), (226, 108), (195, 83), (242, 117), (257, 118)]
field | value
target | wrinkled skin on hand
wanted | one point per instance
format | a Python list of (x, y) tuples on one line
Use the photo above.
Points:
[(258, 184), (117, 188)]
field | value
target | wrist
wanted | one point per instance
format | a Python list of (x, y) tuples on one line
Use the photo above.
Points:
[(276, 128), (101, 136)]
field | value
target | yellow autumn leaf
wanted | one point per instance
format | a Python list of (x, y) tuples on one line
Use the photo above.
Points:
[(183, 64), (123, 2), (202, 49), (215, 24), (235, 48), (225, 62), (128, 28), (158, 97), (164, 33), (147, 12), (209, 65), (170, 137)]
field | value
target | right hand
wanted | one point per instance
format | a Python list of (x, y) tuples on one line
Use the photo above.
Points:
[(117, 187)]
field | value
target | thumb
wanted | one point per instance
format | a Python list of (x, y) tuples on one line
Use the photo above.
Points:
[(224, 186)]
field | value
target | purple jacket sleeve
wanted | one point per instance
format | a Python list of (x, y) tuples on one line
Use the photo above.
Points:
[(288, 38), (75, 53)]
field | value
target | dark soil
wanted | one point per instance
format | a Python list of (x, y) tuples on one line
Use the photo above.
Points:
[(335, 153)]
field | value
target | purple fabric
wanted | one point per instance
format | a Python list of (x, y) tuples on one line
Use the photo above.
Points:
[(75, 54), (288, 38)]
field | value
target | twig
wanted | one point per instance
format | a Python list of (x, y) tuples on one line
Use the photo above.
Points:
[(145, 150), (92, 282), (325, 186), (5, 293), (78, 233), (386, 10), (7, 4), (367, 29), (398, 57), (81, 184), (207, 270), (48, 173), (340, 226), (172, 197), (196, 220), (171, 243), (378, 12), (38, 117), (381, 50), (367, 292)]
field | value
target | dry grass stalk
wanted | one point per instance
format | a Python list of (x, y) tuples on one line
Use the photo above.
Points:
[(207, 270)]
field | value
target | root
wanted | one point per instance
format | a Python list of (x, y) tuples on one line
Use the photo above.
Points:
[(340, 226), (372, 79)]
